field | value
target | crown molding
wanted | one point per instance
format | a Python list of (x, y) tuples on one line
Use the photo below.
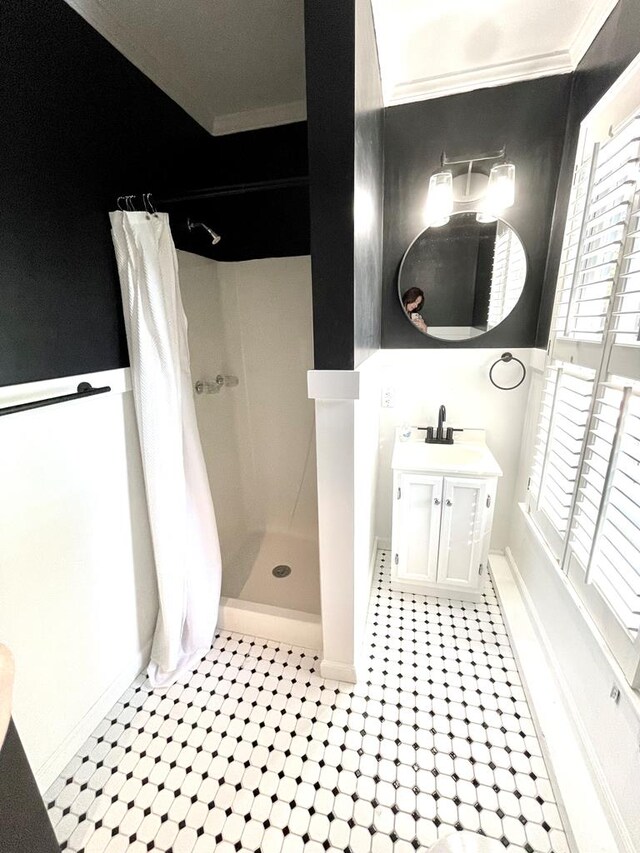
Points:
[(97, 14), (590, 28), (426, 88), (259, 118)]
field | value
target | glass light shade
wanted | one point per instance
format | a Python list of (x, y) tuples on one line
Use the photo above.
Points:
[(485, 217), (501, 189), (439, 199)]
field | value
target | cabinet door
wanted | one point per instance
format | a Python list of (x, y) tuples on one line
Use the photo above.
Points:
[(463, 505), (416, 527)]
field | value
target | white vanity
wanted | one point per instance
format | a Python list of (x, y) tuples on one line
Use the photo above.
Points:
[(443, 501)]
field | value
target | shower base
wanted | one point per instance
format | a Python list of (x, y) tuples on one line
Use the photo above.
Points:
[(249, 575), (282, 624), (255, 602)]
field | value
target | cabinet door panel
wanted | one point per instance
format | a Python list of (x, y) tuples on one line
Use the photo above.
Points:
[(416, 544), (461, 531)]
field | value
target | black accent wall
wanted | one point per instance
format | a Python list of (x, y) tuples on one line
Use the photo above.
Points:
[(529, 118), (24, 823), (81, 125), (615, 46), (369, 187), (330, 67), (345, 116), (264, 224)]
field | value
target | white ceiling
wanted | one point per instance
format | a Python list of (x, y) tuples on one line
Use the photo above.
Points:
[(231, 64), (430, 48), (239, 64)]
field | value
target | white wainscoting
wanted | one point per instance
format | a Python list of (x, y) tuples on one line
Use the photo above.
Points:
[(78, 600)]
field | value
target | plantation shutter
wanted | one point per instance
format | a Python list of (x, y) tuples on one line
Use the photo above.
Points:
[(607, 540), (562, 430), (605, 190)]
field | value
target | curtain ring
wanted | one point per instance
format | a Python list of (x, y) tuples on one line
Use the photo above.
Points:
[(506, 357), (119, 202)]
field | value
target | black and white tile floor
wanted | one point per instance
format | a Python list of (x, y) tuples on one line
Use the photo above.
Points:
[(256, 752)]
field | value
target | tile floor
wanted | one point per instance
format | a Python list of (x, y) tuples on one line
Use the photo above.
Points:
[(254, 751)]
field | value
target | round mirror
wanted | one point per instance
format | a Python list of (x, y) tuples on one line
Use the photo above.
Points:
[(462, 279)]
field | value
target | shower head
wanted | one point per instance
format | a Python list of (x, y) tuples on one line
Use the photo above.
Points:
[(215, 238)]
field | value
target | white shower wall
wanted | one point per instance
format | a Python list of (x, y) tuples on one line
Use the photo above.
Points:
[(253, 320)]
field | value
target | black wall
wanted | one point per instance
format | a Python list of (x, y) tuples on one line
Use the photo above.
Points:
[(24, 822), (529, 118), (369, 187), (330, 61), (266, 224), (615, 46), (345, 118), (80, 125)]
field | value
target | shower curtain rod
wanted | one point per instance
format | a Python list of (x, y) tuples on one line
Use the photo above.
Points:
[(228, 189)]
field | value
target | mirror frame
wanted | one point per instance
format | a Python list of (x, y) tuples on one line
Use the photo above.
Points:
[(475, 337)]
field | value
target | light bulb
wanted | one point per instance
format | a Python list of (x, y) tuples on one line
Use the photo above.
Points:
[(439, 200), (501, 188), (484, 217)]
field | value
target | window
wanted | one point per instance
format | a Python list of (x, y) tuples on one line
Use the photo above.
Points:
[(584, 487)]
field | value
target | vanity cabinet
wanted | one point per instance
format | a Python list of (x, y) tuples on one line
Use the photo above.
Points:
[(441, 531)]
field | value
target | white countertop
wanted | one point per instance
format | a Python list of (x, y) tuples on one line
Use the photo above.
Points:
[(468, 455)]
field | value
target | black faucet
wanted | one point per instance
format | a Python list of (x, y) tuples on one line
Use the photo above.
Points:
[(441, 436)]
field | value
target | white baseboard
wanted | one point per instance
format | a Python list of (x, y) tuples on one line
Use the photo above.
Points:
[(272, 623), (337, 671), (561, 735), (47, 773), (372, 566)]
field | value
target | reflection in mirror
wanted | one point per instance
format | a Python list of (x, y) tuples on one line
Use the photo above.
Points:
[(463, 278)]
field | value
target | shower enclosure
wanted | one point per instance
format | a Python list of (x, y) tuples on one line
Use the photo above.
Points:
[(253, 320)]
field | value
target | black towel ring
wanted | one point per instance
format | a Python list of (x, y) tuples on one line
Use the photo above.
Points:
[(507, 357)]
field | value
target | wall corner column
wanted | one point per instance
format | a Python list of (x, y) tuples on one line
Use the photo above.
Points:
[(335, 393)]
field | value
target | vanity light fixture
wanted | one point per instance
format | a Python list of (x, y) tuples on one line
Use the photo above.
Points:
[(500, 193), (439, 199), (489, 195)]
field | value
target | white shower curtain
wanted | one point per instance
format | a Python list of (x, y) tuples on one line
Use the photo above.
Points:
[(181, 516)]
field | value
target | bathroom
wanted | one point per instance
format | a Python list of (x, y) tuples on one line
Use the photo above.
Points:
[(341, 705)]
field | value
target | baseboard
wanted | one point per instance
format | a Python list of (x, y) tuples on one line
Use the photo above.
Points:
[(47, 773), (623, 842), (372, 565), (564, 743), (294, 627), (337, 671)]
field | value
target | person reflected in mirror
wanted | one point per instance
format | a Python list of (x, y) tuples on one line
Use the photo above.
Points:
[(413, 301)]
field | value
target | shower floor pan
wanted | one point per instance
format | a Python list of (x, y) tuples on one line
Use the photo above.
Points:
[(278, 608)]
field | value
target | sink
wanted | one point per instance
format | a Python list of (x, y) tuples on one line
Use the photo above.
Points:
[(468, 455)]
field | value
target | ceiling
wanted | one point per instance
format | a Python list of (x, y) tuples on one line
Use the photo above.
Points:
[(236, 65), (231, 64), (430, 48)]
